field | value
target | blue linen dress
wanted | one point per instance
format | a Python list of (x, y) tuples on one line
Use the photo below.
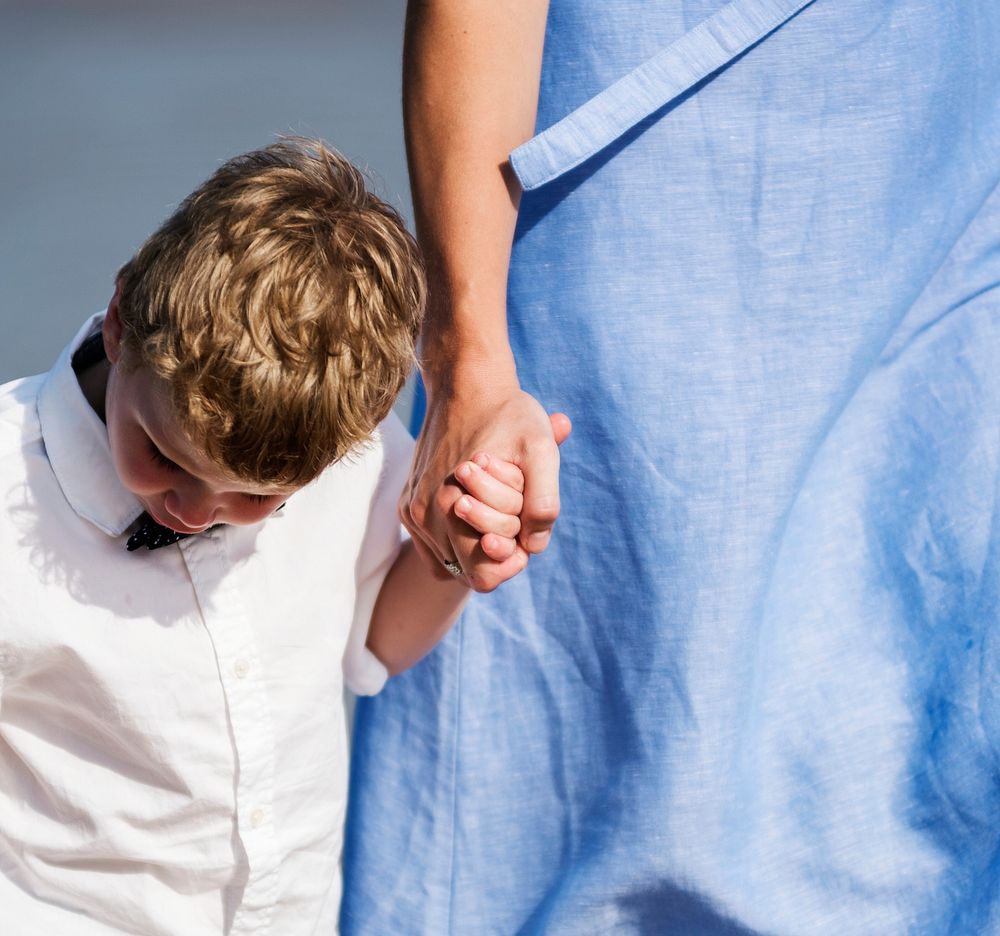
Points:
[(753, 687)]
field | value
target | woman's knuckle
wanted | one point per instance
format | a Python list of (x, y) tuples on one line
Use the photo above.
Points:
[(418, 513), (442, 500)]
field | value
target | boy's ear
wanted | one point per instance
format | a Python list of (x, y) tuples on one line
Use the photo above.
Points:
[(112, 329)]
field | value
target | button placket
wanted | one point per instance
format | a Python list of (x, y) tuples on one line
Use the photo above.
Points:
[(230, 628)]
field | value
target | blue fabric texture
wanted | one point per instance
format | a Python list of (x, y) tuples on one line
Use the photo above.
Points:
[(753, 686)]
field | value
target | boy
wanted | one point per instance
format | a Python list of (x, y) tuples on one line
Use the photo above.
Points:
[(200, 526)]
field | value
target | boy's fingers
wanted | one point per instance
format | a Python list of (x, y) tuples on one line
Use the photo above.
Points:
[(504, 471), (484, 570), (487, 575), (485, 519), (489, 489), (498, 548)]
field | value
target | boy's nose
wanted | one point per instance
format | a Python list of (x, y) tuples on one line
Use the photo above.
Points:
[(193, 511)]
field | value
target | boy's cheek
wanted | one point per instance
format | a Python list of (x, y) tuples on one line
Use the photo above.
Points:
[(250, 512), (136, 473)]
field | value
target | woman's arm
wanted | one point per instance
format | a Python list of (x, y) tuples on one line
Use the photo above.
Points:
[(471, 74)]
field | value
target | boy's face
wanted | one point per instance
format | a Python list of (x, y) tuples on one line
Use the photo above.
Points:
[(174, 481)]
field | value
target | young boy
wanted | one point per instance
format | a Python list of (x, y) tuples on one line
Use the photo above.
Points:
[(200, 529)]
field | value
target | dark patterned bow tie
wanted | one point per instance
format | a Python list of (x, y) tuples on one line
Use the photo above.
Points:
[(153, 535)]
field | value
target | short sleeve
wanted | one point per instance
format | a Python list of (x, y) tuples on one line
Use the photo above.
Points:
[(364, 673)]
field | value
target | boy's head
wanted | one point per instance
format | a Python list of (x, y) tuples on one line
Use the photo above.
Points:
[(277, 309)]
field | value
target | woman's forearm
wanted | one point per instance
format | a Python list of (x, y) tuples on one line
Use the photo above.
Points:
[(471, 74), (471, 78)]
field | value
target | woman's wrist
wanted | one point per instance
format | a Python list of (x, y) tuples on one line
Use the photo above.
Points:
[(467, 368)]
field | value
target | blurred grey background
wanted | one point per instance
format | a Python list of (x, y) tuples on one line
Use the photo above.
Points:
[(112, 111)]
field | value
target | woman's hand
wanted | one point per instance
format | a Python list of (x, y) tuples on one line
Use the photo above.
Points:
[(478, 433)]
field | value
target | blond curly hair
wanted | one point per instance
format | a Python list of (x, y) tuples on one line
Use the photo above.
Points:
[(281, 303)]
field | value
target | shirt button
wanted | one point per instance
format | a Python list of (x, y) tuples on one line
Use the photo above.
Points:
[(257, 818), (242, 667)]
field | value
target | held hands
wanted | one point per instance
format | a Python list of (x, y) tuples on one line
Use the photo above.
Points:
[(486, 512), (491, 505)]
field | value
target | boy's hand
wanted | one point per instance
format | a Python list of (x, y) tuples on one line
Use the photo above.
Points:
[(492, 504), (491, 499)]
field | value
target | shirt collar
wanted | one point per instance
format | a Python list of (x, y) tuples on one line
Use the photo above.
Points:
[(76, 442)]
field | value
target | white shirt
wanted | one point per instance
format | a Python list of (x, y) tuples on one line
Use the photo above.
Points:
[(173, 750)]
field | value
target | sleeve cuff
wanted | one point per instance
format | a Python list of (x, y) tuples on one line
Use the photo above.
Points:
[(364, 673)]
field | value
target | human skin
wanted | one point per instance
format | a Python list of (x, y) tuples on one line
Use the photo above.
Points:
[(180, 487), (471, 76)]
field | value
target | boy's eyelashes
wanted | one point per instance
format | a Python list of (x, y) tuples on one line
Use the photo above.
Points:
[(160, 459)]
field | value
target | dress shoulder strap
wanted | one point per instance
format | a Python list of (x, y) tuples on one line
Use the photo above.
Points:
[(706, 48)]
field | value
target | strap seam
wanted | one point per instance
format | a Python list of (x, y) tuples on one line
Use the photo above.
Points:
[(648, 87)]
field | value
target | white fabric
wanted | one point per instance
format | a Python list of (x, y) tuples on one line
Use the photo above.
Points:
[(173, 750)]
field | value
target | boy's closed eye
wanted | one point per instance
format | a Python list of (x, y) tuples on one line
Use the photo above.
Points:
[(160, 459), (171, 466)]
